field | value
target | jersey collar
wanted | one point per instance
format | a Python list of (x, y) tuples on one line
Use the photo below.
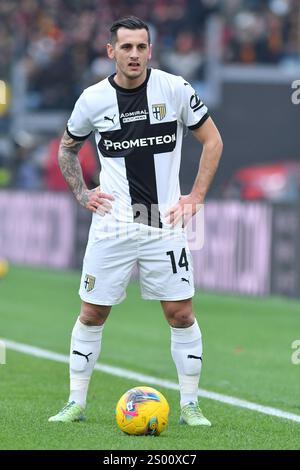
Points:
[(129, 90)]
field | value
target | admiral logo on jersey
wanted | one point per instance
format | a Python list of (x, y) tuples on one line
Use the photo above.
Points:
[(134, 116)]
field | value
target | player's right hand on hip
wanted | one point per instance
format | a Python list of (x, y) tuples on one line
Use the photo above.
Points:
[(97, 201)]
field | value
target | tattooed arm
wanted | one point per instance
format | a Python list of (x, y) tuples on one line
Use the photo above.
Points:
[(71, 168), (94, 199)]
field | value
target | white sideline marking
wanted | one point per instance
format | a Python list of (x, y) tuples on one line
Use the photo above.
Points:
[(147, 379)]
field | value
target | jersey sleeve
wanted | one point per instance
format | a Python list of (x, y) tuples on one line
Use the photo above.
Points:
[(192, 111), (79, 126)]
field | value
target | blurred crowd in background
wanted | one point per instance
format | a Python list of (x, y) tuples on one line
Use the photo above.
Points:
[(61, 45), (66, 38)]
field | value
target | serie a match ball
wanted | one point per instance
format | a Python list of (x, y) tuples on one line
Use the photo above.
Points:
[(142, 411)]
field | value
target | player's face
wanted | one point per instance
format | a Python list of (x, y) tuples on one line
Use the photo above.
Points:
[(131, 53)]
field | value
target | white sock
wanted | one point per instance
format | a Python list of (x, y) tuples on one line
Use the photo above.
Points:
[(84, 352), (186, 349)]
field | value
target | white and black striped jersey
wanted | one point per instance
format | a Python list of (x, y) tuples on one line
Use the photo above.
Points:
[(139, 136)]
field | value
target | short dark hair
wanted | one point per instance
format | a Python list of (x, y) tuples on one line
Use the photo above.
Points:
[(129, 22)]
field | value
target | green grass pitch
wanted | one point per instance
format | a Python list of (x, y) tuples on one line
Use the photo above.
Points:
[(247, 354)]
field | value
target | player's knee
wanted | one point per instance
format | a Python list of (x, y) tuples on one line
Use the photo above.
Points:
[(179, 314), (91, 314), (182, 319)]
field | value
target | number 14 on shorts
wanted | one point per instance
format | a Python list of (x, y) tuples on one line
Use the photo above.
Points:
[(182, 261)]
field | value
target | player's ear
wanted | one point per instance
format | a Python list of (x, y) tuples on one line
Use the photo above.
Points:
[(150, 51), (110, 51)]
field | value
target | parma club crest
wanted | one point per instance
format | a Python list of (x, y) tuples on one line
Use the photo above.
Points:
[(89, 282), (159, 111)]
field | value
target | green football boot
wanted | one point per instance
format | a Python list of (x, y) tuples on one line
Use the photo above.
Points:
[(70, 413), (192, 415)]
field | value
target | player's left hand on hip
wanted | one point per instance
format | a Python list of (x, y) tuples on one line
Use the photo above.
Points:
[(180, 214)]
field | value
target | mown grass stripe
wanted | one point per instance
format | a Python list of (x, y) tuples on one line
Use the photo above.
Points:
[(147, 379)]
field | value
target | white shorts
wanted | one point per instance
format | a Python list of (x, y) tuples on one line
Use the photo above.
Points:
[(162, 257)]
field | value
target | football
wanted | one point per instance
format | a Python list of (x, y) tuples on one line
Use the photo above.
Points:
[(142, 411)]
